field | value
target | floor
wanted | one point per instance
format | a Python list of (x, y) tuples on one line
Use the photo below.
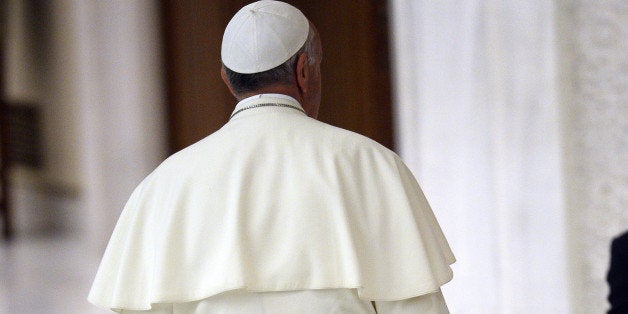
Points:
[(49, 273)]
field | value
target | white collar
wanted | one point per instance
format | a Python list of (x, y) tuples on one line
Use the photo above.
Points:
[(281, 96), (262, 100)]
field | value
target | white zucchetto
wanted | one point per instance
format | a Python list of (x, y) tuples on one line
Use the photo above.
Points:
[(262, 36)]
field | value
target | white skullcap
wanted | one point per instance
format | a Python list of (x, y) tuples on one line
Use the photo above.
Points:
[(262, 36)]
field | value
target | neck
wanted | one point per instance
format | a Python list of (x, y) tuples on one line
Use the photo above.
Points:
[(280, 89), (288, 90)]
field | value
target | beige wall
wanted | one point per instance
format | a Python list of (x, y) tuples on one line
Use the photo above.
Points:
[(38, 71), (513, 118), (95, 70), (595, 154)]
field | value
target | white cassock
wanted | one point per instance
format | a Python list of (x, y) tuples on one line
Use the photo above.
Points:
[(276, 208)]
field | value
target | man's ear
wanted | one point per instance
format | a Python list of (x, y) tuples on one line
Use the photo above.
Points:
[(302, 74), (223, 75)]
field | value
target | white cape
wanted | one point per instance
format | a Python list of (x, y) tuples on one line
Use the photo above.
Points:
[(274, 201)]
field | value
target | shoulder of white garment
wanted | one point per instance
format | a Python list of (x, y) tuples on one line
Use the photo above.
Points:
[(274, 202)]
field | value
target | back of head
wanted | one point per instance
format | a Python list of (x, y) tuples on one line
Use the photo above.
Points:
[(261, 44)]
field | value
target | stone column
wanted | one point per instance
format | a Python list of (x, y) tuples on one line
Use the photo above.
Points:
[(594, 64), (476, 88), (117, 48)]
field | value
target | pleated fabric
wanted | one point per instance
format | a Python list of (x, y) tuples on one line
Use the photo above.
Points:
[(274, 201)]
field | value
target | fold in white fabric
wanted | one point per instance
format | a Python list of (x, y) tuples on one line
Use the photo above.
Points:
[(274, 201), (302, 302)]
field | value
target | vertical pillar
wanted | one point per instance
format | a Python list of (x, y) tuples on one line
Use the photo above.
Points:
[(594, 119), (478, 114), (111, 56)]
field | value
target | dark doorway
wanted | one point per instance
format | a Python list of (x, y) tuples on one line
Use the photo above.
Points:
[(356, 72)]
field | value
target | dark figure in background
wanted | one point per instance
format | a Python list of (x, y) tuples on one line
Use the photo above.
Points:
[(618, 275)]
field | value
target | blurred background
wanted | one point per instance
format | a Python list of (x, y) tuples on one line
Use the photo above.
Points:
[(511, 114)]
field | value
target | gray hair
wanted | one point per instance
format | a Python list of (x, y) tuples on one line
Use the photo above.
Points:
[(282, 74)]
